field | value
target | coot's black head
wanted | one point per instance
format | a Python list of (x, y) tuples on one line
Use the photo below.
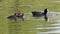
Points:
[(45, 11)]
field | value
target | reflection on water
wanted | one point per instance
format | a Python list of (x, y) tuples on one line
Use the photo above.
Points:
[(52, 28), (29, 27)]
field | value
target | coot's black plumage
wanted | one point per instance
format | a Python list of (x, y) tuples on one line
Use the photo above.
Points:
[(40, 14)]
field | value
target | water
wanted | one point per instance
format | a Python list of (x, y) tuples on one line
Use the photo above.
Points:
[(55, 27), (30, 27)]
